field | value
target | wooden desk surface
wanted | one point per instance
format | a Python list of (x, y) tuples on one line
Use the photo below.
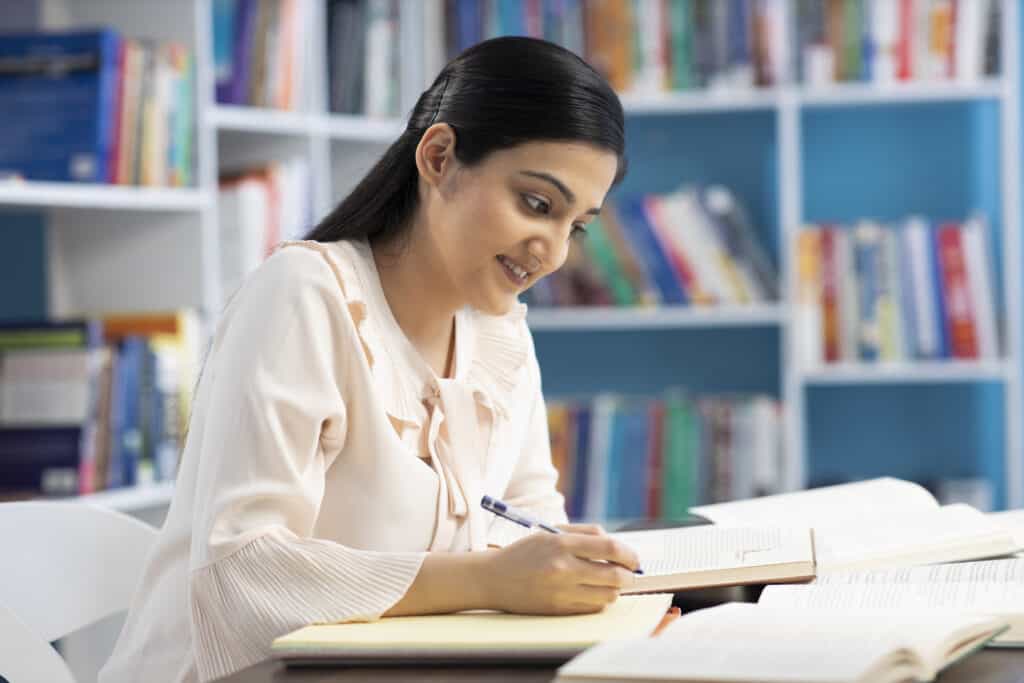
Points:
[(989, 666)]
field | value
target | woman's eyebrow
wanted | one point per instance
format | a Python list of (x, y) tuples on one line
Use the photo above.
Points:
[(566, 192)]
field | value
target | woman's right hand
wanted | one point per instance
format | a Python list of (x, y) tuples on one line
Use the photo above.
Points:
[(569, 573)]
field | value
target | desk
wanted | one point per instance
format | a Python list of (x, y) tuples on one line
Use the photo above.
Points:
[(989, 666)]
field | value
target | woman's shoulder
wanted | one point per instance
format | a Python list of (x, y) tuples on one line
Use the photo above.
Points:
[(303, 267)]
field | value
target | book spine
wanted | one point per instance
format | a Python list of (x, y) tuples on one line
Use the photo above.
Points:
[(959, 307), (830, 294), (866, 259)]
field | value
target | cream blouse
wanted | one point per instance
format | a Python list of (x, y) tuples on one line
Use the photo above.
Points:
[(324, 459)]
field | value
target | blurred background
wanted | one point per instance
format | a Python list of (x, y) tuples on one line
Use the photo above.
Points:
[(811, 274)]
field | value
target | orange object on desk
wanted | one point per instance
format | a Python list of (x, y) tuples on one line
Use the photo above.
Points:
[(671, 615)]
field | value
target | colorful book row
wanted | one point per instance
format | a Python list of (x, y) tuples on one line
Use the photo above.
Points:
[(94, 404), (93, 106), (694, 247), (907, 291), (887, 41), (622, 457), (258, 52)]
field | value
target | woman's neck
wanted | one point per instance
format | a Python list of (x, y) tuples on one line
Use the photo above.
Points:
[(413, 281)]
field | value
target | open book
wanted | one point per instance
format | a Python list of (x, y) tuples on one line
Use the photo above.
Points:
[(1011, 521), (744, 643), (706, 556), (881, 523), (466, 637), (994, 587)]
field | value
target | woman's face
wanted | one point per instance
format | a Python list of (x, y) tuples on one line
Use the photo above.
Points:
[(508, 221)]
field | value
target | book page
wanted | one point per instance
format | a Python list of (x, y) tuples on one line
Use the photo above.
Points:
[(990, 587), (876, 498), (951, 533), (629, 616), (743, 642), (674, 551)]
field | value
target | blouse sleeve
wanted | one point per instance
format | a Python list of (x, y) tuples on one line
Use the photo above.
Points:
[(270, 417), (533, 486)]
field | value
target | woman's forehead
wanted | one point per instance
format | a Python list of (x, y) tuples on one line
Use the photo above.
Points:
[(573, 162)]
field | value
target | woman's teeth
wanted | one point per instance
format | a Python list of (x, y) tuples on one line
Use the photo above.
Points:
[(515, 268)]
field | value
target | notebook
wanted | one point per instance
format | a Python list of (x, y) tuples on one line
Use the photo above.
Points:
[(745, 643), (468, 637), (707, 556)]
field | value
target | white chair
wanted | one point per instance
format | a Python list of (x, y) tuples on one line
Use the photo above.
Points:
[(63, 566)]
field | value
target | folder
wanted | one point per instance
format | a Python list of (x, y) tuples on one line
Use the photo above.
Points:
[(483, 637)]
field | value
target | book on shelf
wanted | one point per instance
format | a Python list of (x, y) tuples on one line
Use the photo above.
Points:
[(647, 48), (989, 588), (624, 457), (891, 293), (695, 246), (257, 209), (477, 636), (86, 405), (881, 523), (122, 108), (891, 41), (258, 51), (745, 643)]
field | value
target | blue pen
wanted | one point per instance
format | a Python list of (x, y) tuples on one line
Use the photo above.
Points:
[(511, 514)]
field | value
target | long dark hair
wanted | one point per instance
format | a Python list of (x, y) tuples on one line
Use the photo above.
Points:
[(497, 94)]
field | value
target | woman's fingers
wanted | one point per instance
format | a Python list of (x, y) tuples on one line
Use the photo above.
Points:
[(601, 548), (594, 598), (603, 574)]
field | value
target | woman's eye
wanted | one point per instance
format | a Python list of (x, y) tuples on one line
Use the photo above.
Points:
[(537, 204), (579, 230)]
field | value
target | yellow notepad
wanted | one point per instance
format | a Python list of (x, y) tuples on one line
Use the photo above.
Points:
[(479, 635)]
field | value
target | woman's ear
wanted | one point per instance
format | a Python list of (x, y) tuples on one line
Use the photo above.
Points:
[(435, 154)]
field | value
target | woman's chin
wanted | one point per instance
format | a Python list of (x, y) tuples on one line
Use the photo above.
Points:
[(496, 305)]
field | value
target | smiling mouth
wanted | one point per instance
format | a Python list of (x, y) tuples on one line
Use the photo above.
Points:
[(514, 271)]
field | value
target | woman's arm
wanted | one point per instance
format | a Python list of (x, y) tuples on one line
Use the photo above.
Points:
[(580, 571)]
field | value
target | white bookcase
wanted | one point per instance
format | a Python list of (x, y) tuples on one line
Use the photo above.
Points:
[(136, 249)]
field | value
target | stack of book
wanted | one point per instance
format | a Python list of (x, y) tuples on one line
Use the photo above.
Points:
[(908, 291), (257, 209), (903, 588), (694, 247), (886, 41), (92, 404), (628, 457), (258, 48), (93, 106)]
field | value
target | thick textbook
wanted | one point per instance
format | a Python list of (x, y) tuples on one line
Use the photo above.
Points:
[(476, 636), (877, 524), (745, 643), (708, 556)]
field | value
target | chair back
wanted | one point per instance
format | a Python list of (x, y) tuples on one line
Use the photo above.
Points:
[(66, 565)]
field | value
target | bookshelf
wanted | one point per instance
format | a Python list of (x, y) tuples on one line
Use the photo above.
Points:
[(174, 246)]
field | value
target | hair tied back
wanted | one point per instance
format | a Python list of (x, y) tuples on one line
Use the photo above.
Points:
[(440, 100)]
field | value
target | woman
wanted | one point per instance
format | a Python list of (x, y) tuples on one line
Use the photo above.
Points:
[(367, 386)]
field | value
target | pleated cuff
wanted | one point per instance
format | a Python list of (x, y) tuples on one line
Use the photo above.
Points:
[(278, 583)]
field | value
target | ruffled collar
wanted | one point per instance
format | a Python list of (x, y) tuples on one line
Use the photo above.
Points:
[(490, 351)]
